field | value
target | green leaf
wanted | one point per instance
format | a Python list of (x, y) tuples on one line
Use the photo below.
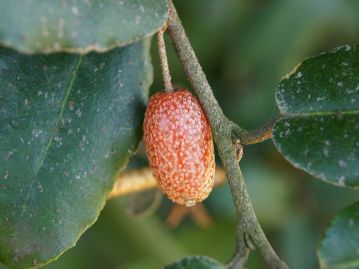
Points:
[(319, 128), (339, 249), (143, 204), (198, 262), (68, 124), (78, 26)]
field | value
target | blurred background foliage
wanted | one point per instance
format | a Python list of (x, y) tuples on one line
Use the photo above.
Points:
[(245, 47)]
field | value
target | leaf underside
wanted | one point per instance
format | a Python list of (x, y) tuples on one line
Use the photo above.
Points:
[(319, 128), (78, 26), (68, 124), (339, 249)]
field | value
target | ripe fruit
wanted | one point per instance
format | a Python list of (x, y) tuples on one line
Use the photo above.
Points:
[(179, 146)]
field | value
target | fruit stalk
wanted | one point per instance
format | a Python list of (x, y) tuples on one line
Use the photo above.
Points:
[(248, 227), (164, 62)]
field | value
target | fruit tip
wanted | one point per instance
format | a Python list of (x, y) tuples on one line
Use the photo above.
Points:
[(190, 203)]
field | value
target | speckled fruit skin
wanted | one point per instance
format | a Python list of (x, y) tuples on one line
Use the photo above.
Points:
[(179, 146)]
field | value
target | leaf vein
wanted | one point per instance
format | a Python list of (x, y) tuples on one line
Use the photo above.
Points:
[(62, 108)]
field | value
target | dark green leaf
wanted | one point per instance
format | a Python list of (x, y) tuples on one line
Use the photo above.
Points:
[(339, 248), (319, 130), (198, 262), (68, 124), (78, 26)]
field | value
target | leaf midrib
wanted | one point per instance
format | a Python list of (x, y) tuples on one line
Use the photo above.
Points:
[(62, 108), (347, 264), (320, 113)]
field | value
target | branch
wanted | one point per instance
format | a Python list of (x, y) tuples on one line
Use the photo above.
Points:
[(248, 227), (133, 181)]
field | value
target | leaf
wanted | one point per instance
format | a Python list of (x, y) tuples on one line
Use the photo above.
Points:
[(198, 262), (78, 26), (319, 128), (143, 204), (339, 249), (68, 124)]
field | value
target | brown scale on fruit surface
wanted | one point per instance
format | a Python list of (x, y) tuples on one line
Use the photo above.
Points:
[(179, 146)]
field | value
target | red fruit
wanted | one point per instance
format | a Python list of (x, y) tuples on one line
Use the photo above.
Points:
[(179, 146)]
